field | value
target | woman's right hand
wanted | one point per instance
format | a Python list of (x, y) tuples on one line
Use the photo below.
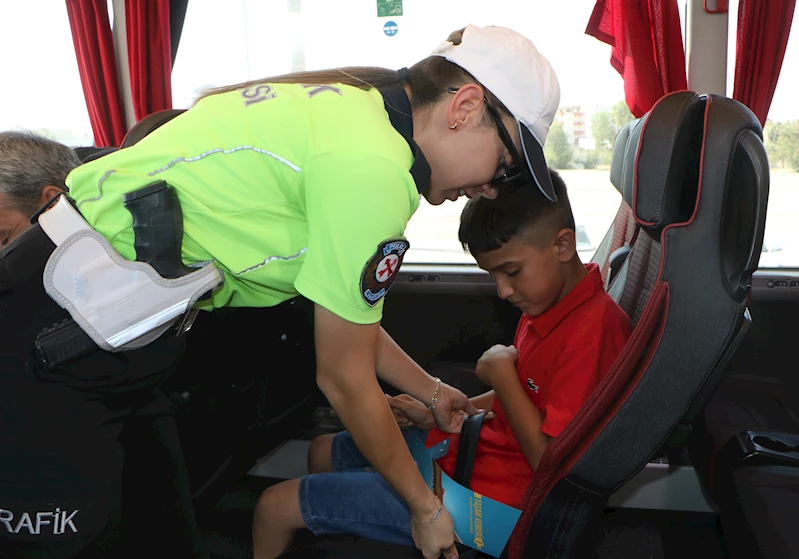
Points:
[(435, 538)]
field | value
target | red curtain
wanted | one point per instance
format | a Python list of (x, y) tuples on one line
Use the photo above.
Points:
[(647, 47), (763, 29), (149, 55), (94, 48)]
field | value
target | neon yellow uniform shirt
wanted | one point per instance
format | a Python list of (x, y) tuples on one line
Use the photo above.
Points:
[(290, 189)]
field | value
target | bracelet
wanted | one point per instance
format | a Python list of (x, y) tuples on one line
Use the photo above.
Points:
[(433, 401), (435, 516)]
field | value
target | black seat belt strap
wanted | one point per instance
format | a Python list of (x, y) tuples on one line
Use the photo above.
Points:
[(467, 449)]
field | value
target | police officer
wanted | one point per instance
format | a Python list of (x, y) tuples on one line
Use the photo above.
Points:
[(303, 185)]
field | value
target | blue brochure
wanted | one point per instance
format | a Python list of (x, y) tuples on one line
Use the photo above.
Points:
[(480, 523)]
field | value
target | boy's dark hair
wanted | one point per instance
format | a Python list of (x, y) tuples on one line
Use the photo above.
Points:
[(488, 224)]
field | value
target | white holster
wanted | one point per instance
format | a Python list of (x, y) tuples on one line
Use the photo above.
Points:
[(120, 304)]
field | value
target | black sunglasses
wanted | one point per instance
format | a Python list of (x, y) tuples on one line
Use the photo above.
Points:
[(516, 174)]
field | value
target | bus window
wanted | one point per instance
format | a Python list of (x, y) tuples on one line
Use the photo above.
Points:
[(781, 132), (253, 39), (41, 85)]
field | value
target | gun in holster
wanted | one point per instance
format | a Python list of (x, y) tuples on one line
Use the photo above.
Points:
[(158, 228)]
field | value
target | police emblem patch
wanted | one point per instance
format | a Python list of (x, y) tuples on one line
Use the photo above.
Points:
[(381, 270)]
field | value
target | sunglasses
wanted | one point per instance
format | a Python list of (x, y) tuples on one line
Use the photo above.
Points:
[(515, 175)]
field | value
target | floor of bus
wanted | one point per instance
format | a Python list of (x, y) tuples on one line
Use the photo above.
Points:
[(626, 533)]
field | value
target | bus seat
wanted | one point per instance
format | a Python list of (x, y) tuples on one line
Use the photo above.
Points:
[(136, 133), (759, 510), (148, 124), (90, 153), (706, 228), (613, 249), (745, 449), (704, 265)]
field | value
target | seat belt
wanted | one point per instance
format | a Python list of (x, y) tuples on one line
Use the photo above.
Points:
[(615, 262), (467, 449)]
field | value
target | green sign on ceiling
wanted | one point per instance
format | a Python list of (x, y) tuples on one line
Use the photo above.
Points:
[(387, 8)]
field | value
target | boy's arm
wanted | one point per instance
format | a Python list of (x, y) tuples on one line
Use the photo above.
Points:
[(579, 370), (524, 418), (484, 401), (497, 367)]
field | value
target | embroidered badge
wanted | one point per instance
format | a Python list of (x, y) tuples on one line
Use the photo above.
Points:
[(533, 386), (381, 270)]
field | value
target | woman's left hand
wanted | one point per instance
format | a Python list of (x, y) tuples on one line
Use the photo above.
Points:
[(452, 408)]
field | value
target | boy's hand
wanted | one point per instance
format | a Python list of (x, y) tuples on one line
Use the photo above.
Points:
[(410, 412), (496, 363)]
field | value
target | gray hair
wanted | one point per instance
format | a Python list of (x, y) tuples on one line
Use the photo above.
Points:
[(28, 163)]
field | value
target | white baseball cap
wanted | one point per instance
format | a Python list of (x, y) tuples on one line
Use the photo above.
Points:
[(510, 66)]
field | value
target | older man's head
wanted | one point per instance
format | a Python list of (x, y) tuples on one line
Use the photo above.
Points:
[(32, 172)]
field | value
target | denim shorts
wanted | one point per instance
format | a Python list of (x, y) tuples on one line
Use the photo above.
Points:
[(352, 500)]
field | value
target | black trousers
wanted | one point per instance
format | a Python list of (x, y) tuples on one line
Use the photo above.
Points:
[(90, 460)]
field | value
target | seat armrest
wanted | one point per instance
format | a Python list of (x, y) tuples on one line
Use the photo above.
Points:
[(761, 448)]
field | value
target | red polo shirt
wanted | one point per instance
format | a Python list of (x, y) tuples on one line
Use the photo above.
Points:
[(563, 355)]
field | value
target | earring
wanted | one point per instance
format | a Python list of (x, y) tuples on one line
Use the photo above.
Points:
[(454, 126)]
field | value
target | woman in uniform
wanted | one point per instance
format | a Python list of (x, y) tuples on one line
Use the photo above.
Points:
[(303, 185)]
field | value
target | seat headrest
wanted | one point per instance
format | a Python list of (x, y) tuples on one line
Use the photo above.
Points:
[(619, 149), (90, 153), (735, 182), (148, 124), (661, 164)]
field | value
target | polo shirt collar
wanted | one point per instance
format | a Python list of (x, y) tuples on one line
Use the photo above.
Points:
[(398, 107), (589, 286)]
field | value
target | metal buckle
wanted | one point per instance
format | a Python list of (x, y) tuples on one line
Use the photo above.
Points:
[(188, 321)]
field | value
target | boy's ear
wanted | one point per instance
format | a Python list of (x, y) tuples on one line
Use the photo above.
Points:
[(566, 244)]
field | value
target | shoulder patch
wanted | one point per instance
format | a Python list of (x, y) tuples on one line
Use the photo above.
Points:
[(381, 270)]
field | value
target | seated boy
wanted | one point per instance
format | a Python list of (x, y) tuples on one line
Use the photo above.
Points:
[(568, 337)]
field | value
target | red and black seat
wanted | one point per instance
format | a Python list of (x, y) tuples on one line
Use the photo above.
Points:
[(745, 448), (696, 180), (614, 248)]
